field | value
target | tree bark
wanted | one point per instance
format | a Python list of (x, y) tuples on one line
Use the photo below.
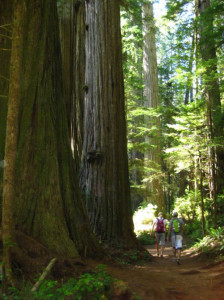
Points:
[(48, 204), (151, 96), (104, 166), (8, 235), (5, 53)]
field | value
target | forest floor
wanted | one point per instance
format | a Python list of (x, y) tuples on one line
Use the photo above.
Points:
[(197, 278)]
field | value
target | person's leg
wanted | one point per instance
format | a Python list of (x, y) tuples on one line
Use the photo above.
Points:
[(162, 241), (178, 253), (157, 243), (173, 241), (179, 240)]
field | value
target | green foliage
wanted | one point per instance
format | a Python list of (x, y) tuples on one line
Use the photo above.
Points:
[(188, 206), (213, 243), (134, 257), (193, 231), (145, 238), (89, 286)]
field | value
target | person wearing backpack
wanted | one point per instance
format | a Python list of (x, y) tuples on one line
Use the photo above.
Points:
[(160, 225), (176, 230)]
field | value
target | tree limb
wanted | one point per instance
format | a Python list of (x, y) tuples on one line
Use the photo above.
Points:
[(44, 275)]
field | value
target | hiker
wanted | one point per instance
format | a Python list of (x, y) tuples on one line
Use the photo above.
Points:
[(176, 229), (160, 225)]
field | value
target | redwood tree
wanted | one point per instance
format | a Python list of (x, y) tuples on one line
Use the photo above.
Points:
[(8, 235), (151, 100), (5, 51), (104, 166), (47, 204)]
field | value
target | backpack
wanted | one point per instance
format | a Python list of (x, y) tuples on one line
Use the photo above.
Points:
[(160, 225), (176, 225)]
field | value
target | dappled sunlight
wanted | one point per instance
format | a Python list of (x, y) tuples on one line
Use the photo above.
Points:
[(143, 218)]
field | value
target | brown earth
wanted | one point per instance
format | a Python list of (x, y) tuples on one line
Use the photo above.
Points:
[(196, 278)]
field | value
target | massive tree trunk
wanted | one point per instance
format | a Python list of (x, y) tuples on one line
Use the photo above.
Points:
[(8, 235), (151, 96), (48, 204), (5, 52), (104, 167)]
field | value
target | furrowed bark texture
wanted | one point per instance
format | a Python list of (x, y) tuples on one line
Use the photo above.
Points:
[(5, 52), (48, 202), (8, 236), (104, 167), (72, 29), (79, 80)]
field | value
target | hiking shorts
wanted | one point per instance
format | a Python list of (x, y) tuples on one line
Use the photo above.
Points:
[(177, 240), (160, 238)]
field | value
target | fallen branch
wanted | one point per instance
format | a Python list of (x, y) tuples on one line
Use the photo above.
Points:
[(44, 275)]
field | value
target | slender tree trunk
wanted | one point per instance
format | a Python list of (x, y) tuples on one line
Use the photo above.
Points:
[(202, 204), (151, 95), (188, 93), (104, 167), (8, 235)]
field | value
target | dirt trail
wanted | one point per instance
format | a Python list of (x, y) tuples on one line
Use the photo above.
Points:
[(162, 279)]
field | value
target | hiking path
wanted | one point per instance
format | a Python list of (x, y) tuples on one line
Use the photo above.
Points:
[(196, 278)]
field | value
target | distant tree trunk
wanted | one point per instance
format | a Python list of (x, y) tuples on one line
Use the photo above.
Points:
[(151, 95), (189, 86), (8, 236), (48, 204), (5, 52), (212, 95), (104, 167), (202, 198)]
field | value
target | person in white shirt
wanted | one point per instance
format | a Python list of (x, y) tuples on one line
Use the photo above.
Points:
[(160, 229)]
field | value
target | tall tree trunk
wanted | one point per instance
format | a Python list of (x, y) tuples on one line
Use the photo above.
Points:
[(8, 235), (189, 86), (5, 52), (104, 167), (202, 203), (151, 95), (212, 94), (48, 204)]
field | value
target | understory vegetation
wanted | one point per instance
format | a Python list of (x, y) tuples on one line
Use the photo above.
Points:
[(95, 285)]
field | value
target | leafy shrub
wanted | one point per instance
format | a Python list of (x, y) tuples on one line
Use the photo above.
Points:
[(145, 238), (89, 286), (134, 256), (213, 243)]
